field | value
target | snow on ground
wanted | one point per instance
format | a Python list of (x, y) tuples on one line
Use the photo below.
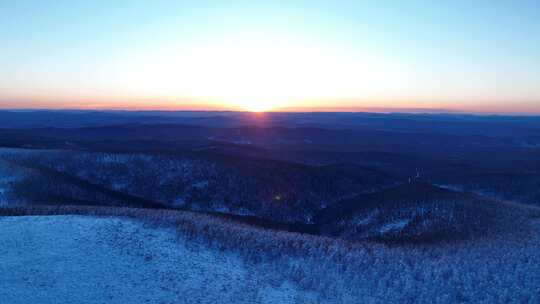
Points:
[(77, 259)]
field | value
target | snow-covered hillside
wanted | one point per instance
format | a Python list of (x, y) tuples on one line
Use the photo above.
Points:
[(75, 259), (165, 256), (273, 190)]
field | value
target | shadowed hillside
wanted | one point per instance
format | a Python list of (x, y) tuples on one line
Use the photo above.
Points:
[(416, 211)]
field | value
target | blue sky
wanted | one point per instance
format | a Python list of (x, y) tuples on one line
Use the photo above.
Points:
[(468, 55)]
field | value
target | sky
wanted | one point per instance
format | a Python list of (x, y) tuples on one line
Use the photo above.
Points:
[(473, 56)]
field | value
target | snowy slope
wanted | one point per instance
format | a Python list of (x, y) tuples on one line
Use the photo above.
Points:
[(75, 259)]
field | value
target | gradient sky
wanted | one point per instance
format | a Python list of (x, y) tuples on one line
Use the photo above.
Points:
[(259, 55)]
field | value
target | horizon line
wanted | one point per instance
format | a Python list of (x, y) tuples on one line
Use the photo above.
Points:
[(375, 110)]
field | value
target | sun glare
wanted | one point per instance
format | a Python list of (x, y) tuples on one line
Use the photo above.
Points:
[(258, 75), (256, 106)]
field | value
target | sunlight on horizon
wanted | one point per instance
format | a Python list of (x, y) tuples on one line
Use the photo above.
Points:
[(254, 74)]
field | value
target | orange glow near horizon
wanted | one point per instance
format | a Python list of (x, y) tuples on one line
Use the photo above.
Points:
[(257, 106)]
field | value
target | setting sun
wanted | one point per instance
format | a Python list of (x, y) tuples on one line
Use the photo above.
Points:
[(248, 73), (256, 106)]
